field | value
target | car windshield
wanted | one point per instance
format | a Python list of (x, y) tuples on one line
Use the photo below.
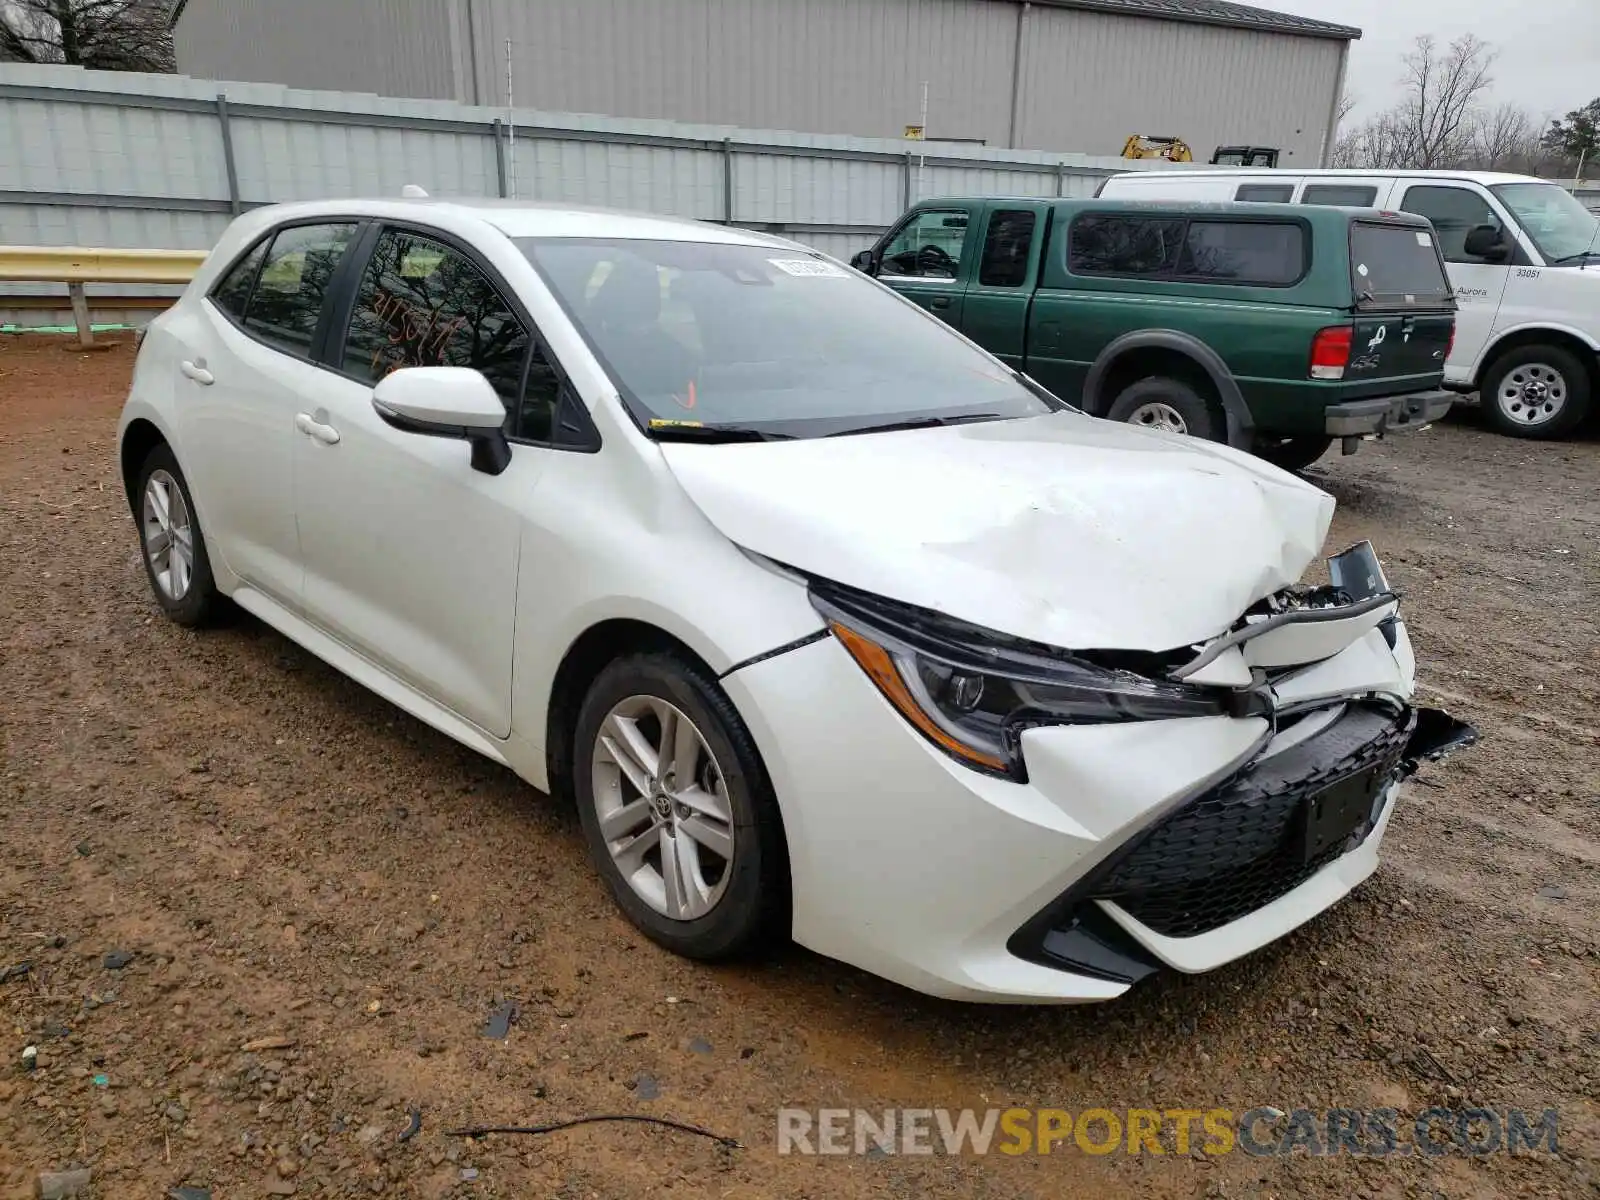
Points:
[(766, 340), (1560, 226)]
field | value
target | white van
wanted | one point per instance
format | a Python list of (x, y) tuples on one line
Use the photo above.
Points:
[(1519, 252)]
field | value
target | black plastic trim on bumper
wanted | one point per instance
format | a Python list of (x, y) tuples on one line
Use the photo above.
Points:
[(1387, 414), (1073, 934), (1087, 942)]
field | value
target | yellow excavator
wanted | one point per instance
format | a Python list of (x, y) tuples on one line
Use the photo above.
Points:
[(1177, 150), (1170, 148)]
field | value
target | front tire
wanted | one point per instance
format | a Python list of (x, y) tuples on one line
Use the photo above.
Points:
[(1159, 402), (1538, 391), (171, 542), (677, 810)]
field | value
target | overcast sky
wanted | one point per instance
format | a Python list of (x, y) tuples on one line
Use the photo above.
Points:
[(1549, 49)]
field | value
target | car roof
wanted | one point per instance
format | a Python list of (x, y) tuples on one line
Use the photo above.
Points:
[(1483, 177), (523, 219), (1248, 208)]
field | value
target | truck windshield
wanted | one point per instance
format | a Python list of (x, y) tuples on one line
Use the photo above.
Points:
[(1560, 226), (766, 340), (1397, 264)]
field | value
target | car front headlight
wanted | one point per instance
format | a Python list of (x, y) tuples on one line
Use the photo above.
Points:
[(973, 692)]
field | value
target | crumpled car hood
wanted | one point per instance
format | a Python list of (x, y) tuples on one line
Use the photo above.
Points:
[(1064, 529)]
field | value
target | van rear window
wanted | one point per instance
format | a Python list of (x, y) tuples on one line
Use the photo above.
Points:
[(1396, 264)]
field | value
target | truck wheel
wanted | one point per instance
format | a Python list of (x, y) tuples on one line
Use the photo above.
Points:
[(1159, 402), (1293, 453), (1538, 391)]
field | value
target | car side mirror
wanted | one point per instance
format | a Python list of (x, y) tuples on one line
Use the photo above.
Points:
[(1487, 242), (453, 402), (866, 262)]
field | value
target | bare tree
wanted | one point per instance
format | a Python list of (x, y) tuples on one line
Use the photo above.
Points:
[(1347, 104), (1444, 87), (1383, 142), (110, 35), (1503, 137)]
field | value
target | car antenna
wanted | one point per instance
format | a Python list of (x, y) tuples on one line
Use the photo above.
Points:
[(412, 192)]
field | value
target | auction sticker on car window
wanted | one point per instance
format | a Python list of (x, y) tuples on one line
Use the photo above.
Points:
[(812, 267)]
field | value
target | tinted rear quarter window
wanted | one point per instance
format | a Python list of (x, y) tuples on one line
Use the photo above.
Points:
[(233, 293), (1265, 193), (1396, 264), (1340, 195), (1118, 244), (1266, 253)]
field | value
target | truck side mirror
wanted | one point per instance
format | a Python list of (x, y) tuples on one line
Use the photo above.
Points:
[(865, 262), (1488, 243)]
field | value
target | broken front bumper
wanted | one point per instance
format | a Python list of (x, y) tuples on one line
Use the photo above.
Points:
[(1236, 849), (1388, 414)]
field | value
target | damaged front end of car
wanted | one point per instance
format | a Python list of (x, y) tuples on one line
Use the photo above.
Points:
[(1327, 673)]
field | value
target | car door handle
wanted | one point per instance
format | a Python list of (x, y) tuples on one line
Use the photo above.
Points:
[(197, 372), (326, 434), (939, 302)]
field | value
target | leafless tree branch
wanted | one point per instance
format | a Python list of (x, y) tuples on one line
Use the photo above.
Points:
[(112, 35)]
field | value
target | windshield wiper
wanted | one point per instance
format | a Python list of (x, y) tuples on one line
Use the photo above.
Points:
[(917, 423), (673, 431), (1566, 258)]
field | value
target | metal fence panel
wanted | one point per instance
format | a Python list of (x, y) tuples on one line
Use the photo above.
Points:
[(164, 161)]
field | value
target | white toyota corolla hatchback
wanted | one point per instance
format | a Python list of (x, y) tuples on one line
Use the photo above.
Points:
[(833, 625)]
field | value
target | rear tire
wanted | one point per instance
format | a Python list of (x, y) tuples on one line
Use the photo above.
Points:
[(724, 891), (1293, 453), (172, 543), (1537, 391), (1160, 402)]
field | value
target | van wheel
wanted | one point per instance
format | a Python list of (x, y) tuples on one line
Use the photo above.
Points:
[(1537, 391), (1292, 453), (1159, 402)]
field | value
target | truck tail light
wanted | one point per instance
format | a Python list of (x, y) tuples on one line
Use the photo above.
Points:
[(1450, 346), (1330, 351)]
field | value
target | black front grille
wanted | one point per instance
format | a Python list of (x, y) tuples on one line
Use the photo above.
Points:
[(1235, 848)]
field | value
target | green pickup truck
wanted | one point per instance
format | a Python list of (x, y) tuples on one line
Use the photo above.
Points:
[(1275, 328)]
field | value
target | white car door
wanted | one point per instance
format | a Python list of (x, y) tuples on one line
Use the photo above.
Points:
[(410, 555), (1455, 209), (243, 358)]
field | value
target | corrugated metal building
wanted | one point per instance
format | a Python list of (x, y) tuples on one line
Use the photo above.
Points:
[(1071, 75)]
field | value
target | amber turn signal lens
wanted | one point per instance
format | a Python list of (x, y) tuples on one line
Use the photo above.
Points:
[(880, 668)]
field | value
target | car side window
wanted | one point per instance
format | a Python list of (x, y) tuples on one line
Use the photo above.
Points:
[(1342, 195), (1119, 244), (1005, 248), (233, 293), (1263, 253), (423, 304), (928, 246), (286, 304), (1265, 193), (1454, 212)]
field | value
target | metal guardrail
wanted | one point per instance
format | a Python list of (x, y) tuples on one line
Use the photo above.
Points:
[(76, 266)]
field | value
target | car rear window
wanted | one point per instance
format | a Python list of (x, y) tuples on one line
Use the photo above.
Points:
[(1396, 264)]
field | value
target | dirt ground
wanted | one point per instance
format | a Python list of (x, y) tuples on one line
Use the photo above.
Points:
[(286, 857)]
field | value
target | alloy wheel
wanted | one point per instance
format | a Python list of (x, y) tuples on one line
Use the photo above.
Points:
[(663, 808), (1158, 415), (168, 535), (1532, 393)]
